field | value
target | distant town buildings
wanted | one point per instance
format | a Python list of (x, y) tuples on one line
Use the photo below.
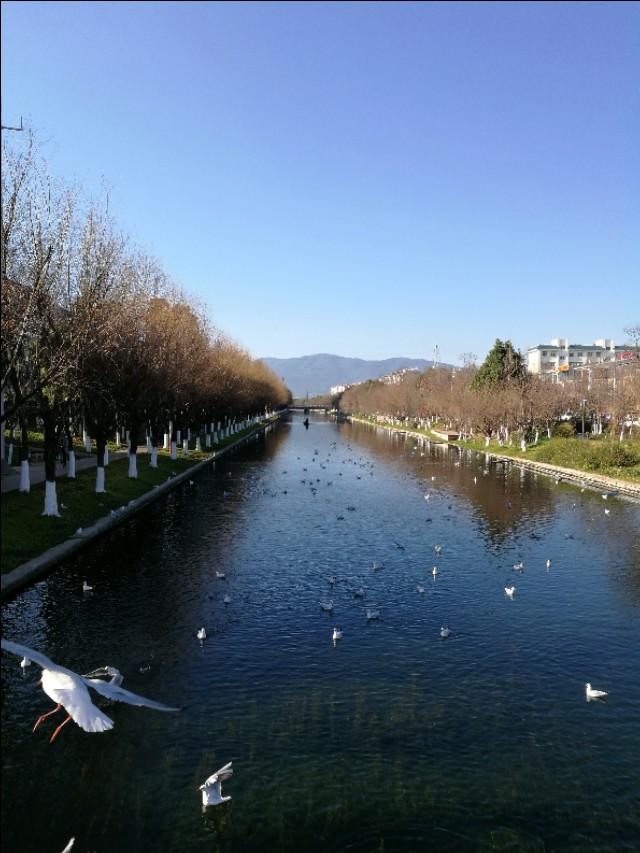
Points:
[(560, 356), (388, 379)]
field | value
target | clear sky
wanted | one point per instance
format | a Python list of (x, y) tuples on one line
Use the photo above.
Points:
[(362, 179)]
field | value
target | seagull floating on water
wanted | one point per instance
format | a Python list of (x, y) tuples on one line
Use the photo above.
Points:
[(518, 566), (25, 662), (212, 787), (372, 614), (434, 571), (548, 564), (86, 587), (327, 606), (509, 590), (358, 593), (420, 589), (594, 694), (444, 632), (221, 576), (437, 549), (607, 511), (201, 634), (227, 599), (337, 634), (70, 691)]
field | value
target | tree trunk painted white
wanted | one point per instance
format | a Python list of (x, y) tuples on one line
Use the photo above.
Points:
[(178, 439), (548, 431), (174, 450), (133, 466), (128, 436), (535, 440), (118, 442), (71, 465), (165, 442), (50, 499), (185, 447), (218, 426), (523, 445), (100, 489), (207, 440), (106, 456), (149, 444), (84, 434), (154, 458), (87, 443), (128, 445), (198, 444), (621, 433), (189, 434), (487, 440), (25, 479), (10, 454)]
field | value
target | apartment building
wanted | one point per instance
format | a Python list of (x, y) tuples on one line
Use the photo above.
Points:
[(560, 356)]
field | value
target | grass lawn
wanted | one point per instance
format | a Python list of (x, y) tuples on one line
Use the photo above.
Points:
[(26, 533), (601, 455)]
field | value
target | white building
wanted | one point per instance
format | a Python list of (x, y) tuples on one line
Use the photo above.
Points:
[(560, 356)]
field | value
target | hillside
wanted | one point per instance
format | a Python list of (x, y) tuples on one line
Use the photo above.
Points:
[(315, 374)]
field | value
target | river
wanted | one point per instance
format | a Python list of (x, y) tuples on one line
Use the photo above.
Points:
[(392, 738)]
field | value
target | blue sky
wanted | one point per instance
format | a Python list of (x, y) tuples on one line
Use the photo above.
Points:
[(363, 179)]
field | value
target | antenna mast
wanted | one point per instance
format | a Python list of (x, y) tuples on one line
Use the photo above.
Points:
[(6, 127)]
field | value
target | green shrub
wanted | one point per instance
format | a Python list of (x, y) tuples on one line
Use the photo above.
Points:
[(564, 430)]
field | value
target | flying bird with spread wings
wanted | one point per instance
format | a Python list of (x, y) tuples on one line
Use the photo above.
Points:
[(71, 692)]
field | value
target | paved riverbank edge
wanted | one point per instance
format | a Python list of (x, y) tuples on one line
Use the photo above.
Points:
[(24, 575), (586, 479)]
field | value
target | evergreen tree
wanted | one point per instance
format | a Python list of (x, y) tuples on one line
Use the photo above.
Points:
[(503, 365)]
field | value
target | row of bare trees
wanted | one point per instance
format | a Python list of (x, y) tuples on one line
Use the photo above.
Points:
[(608, 399), (96, 337)]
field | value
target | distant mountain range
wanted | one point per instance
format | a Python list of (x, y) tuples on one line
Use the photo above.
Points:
[(316, 374)]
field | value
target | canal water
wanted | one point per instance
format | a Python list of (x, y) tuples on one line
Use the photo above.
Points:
[(391, 739)]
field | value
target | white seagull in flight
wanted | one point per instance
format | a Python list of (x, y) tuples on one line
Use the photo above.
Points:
[(70, 691), (212, 787)]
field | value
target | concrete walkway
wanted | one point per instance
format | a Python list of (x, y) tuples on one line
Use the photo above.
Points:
[(11, 479)]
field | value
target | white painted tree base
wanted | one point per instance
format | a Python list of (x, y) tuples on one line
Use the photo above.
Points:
[(207, 440), (133, 467), (100, 489), (10, 455), (106, 456), (198, 445), (50, 499), (87, 444), (71, 465), (174, 450), (178, 438), (25, 479), (185, 447), (154, 458), (165, 442)]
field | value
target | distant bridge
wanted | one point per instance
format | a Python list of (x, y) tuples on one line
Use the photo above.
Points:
[(324, 409)]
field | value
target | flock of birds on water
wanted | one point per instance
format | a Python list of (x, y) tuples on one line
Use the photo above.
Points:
[(69, 690)]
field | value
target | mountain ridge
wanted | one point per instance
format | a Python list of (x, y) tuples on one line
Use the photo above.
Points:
[(310, 375)]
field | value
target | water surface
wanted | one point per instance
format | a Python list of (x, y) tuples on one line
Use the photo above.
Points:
[(391, 739)]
